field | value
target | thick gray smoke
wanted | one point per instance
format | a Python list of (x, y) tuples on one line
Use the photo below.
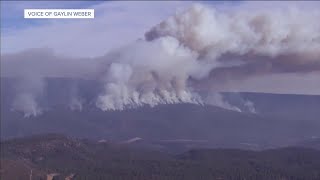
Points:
[(149, 72), (195, 49), (201, 44), (264, 41)]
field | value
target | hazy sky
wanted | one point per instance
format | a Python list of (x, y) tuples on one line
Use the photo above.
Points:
[(115, 24), (119, 23)]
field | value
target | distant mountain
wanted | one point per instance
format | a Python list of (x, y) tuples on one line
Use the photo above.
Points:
[(49, 155), (286, 106), (313, 142), (281, 120), (221, 128)]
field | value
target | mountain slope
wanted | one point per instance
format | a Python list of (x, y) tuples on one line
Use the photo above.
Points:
[(281, 120)]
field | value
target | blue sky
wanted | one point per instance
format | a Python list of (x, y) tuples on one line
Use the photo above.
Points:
[(12, 12), (128, 18), (116, 23), (112, 18)]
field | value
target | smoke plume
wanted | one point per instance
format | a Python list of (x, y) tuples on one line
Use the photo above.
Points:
[(202, 45), (29, 89), (196, 49)]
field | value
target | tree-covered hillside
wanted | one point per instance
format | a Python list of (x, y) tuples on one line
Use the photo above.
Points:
[(85, 159)]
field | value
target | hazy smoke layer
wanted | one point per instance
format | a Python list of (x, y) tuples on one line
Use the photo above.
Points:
[(195, 48)]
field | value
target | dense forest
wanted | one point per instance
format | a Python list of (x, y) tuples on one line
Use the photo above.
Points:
[(60, 156)]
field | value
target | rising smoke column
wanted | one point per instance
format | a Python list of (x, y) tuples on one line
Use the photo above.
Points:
[(28, 91), (202, 45), (149, 73)]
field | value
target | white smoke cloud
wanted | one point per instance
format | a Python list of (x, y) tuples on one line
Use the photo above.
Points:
[(76, 104), (216, 99), (28, 90), (195, 43), (149, 73), (26, 104), (201, 46), (265, 32), (250, 106)]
